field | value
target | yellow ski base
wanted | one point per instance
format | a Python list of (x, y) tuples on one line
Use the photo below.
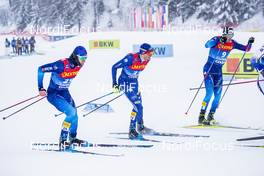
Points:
[(203, 126)]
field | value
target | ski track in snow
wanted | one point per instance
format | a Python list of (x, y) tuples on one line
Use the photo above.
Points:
[(165, 89)]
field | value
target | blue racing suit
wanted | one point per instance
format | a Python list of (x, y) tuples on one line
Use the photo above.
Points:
[(212, 70), (131, 66), (257, 62), (62, 73)]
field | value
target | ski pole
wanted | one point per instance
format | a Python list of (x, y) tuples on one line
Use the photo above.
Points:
[(103, 104), (242, 82), (205, 76), (242, 58), (4, 118), (259, 86), (243, 74), (56, 115), (19, 103)]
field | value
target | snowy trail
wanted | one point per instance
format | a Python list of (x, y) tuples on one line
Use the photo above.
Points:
[(165, 84)]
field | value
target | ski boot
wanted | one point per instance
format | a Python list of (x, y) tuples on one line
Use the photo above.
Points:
[(210, 118), (201, 119), (75, 142), (133, 134), (63, 141), (144, 130)]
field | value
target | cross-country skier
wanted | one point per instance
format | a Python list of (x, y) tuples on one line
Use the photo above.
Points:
[(63, 71), (132, 65), (7, 46), (258, 62), (32, 43), (19, 46), (13, 44), (220, 47), (7, 43)]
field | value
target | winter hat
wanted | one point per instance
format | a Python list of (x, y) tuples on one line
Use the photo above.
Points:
[(145, 48)]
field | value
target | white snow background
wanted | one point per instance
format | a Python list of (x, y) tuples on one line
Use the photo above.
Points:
[(166, 96)]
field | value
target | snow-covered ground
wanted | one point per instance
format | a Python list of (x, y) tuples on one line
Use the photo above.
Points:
[(165, 87)]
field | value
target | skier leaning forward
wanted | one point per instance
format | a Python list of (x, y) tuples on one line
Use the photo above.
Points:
[(63, 71), (132, 65)]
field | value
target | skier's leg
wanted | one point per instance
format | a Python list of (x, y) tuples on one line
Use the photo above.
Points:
[(71, 120), (209, 87), (217, 96)]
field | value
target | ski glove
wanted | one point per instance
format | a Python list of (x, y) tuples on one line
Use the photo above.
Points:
[(116, 88), (42, 92), (251, 40), (223, 39)]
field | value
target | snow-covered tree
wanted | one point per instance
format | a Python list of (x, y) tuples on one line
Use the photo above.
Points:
[(247, 9), (228, 12), (111, 13), (262, 5), (205, 11), (188, 8), (173, 9), (22, 12), (4, 17)]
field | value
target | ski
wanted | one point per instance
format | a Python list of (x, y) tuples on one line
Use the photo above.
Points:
[(148, 140), (139, 139), (95, 145), (251, 138), (177, 135), (221, 126), (80, 152), (254, 146), (165, 134)]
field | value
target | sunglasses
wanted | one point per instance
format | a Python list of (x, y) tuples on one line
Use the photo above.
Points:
[(231, 35), (149, 53), (82, 58)]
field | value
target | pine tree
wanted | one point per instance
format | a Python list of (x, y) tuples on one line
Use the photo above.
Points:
[(4, 17), (188, 8), (35, 14), (247, 9), (205, 11), (55, 12), (173, 10), (76, 15), (228, 12), (22, 12), (262, 5)]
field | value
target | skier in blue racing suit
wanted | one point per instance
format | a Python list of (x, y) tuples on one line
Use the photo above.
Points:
[(132, 65), (258, 63), (63, 71), (220, 47)]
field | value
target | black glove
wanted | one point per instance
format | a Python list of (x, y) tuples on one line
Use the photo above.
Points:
[(251, 40), (262, 72), (42, 89), (116, 88), (223, 39), (42, 92)]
